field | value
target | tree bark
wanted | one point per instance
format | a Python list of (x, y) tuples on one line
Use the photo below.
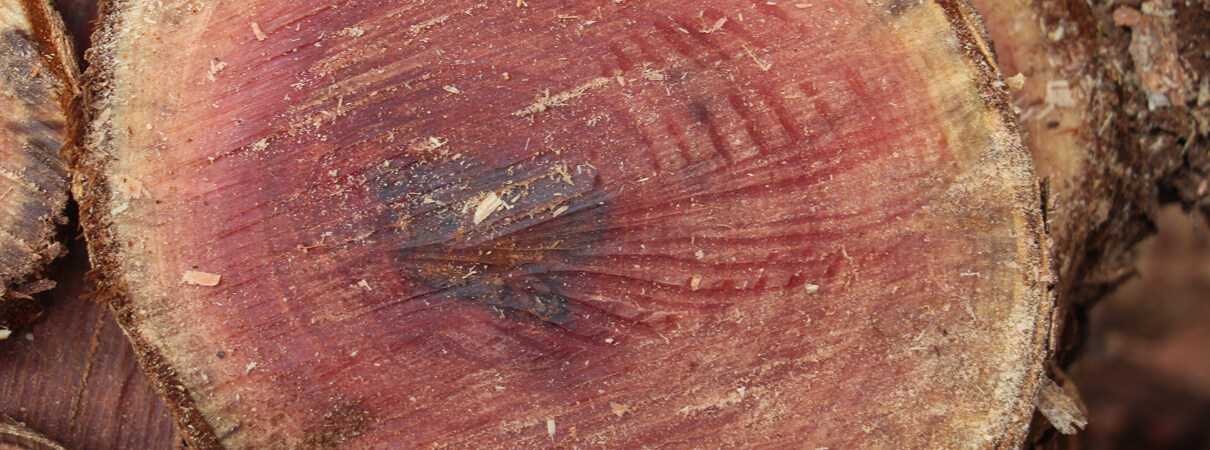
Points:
[(1116, 109), (627, 224), (37, 85)]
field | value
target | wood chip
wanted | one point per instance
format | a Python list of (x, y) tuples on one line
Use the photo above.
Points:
[(451, 89), (488, 205), (619, 409), (550, 428), (260, 35), (196, 278), (1063, 411), (1015, 82)]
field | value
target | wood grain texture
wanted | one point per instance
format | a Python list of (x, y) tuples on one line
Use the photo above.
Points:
[(72, 375), (567, 223), (37, 86)]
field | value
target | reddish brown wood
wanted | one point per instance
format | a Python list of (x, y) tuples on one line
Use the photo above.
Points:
[(37, 85), (72, 375), (592, 223)]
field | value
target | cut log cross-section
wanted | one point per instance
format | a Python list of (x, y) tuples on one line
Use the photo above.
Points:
[(536, 223), (37, 85)]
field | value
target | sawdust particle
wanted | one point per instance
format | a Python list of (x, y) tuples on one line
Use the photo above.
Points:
[(764, 66), (547, 101), (1015, 82), (718, 24)]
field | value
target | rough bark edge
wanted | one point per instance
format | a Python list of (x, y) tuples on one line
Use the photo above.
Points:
[(54, 43), (1037, 288), (92, 154), (1134, 181), (16, 433), (18, 307), (88, 159), (1120, 175)]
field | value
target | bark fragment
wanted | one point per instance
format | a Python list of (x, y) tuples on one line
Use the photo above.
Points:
[(37, 85)]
